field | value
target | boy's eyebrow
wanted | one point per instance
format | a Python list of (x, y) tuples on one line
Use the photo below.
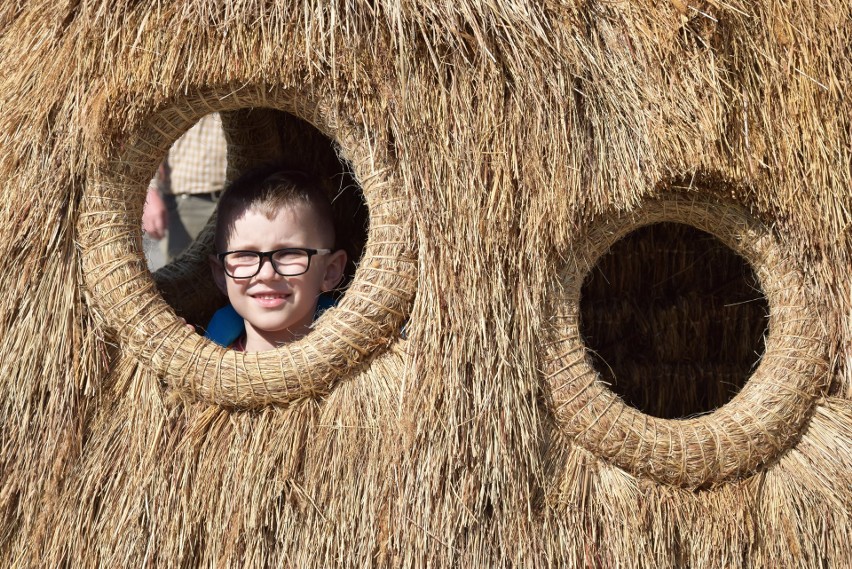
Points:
[(249, 246)]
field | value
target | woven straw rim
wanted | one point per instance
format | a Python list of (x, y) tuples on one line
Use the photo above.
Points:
[(367, 319), (761, 421)]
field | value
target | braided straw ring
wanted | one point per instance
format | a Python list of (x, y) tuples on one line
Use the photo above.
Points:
[(367, 319), (761, 421)]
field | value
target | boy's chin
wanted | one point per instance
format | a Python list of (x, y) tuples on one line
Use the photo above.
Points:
[(286, 332)]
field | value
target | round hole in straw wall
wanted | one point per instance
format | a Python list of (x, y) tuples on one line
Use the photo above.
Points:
[(366, 320), (760, 421), (673, 319), (255, 137)]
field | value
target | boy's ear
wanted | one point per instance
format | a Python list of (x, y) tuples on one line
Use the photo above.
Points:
[(218, 274), (334, 268)]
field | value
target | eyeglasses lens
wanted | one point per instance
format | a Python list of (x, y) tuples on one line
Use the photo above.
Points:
[(292, 262), (245, 264)]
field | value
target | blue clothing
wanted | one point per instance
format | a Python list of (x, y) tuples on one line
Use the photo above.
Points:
[(227, 326)]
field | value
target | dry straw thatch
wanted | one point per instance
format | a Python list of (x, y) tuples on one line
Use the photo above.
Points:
[(501, 149)]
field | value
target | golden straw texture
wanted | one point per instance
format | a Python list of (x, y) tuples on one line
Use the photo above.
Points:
[(447, 412), (748, 431)]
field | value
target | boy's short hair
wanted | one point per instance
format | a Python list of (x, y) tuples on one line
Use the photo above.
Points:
[(268, 189)]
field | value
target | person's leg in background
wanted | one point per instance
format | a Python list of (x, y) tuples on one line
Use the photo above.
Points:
[(188, 215)]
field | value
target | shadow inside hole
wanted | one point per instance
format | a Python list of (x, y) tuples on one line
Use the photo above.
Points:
[(257, 137), (674, 320)]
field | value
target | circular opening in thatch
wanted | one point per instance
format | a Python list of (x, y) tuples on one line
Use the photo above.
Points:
[(765, 416), (253, 137), (674, 320), (262, 124)]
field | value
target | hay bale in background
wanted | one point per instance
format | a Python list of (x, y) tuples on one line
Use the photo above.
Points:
[(491, 142)]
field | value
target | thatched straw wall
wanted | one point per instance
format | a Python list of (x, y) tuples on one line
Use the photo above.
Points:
[(501, 150)]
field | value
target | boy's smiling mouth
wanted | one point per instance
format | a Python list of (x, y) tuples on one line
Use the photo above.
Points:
[(271, 299)]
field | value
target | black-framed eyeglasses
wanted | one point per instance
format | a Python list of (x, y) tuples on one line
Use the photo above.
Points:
[(287, 262)]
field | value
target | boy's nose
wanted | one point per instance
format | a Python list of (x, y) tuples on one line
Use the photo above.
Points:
[(266, 271)]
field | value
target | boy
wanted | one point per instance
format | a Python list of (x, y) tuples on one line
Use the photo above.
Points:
[(276, 254)]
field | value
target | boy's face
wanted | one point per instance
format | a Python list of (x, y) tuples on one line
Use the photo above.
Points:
[(279, 309)]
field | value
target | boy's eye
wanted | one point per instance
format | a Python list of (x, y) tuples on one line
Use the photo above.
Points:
[(288, 255), (242, 257), (291, 261)]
